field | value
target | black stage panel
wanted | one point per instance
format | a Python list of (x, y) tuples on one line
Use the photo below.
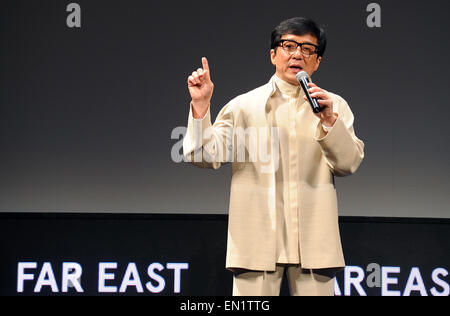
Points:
[(168, 254)]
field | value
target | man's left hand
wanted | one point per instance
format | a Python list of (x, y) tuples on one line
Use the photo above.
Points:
[(327, 116)]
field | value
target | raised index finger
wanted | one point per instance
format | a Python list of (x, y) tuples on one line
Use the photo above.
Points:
[(205, 65)]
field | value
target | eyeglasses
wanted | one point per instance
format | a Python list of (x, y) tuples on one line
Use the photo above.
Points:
[(290, 46)]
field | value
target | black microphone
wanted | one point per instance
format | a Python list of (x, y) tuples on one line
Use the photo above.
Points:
[(303, 79)]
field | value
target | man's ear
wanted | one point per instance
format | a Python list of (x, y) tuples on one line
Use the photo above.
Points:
[(316, 66), (273, 54)]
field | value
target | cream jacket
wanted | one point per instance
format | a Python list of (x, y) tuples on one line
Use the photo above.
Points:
[(246, 134)]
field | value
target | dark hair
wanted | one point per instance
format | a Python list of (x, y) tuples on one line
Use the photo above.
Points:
[(299, 26)]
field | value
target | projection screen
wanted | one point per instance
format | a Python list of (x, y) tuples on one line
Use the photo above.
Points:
[(94, 96)]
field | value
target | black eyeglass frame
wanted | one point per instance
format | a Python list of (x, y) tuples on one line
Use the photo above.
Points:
[(280, 43)]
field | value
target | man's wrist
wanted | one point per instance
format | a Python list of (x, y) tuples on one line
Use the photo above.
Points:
[(199, 112), (329, 122)]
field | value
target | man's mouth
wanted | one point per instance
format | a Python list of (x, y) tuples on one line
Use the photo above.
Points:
[(295, 68)]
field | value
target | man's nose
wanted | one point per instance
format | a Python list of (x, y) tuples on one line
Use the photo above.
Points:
[(298, 53)]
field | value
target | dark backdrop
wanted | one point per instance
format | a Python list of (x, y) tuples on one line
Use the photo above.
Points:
[(86, 114)]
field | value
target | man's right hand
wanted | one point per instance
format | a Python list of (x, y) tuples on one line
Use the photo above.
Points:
[(201, 89)]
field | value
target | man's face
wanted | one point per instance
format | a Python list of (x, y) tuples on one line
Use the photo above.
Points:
[(288, 65)]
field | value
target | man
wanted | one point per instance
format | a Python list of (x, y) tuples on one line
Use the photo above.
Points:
[(283, 207)]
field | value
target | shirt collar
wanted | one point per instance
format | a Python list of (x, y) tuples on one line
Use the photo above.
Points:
[(284, 87)]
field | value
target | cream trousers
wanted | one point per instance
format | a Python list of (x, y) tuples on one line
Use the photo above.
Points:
[(302, 282)]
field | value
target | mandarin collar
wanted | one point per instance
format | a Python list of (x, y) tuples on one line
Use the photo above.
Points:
[(285, 87)]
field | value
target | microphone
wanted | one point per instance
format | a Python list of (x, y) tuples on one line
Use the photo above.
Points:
[(303, 79)]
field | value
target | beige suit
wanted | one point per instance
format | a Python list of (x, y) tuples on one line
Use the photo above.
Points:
[(246, 133)]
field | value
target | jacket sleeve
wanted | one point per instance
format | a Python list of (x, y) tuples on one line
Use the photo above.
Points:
[(343, 151), (206, 145)]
